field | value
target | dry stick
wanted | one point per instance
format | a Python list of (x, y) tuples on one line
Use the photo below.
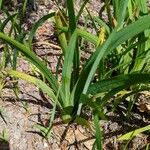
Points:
[(49, 44)]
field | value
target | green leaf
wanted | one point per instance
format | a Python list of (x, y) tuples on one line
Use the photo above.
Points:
[(61, 35), (1, 3), (147, 146), (88, 36), (67, 68), (114, 40), (71, 13), (13, 19), (33, 58), (143, 6), (98, 133), (42, 129), (81, 9), (95, 107), (130, 9), (39, 83), (131, 134), (102, 23), (121, 13), (20, 37), (9, 18), (4, 135), (123, 81), (37, 25)]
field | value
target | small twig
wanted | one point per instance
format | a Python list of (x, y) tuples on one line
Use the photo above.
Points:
[(49, 44)]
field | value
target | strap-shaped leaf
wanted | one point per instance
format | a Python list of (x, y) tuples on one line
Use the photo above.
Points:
[(10, 18), (87, 36), (1, 3), (61, 35), (71, 15), (67, 68), (131, 134), (123, 81), (143, 6), (39, 83), (121, 12), (84, 34), (115, 39), (33, 58), (98, 132), (81, 9), (37, 25)]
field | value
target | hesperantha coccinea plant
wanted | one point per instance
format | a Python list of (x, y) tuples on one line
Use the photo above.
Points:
[(117, 64)]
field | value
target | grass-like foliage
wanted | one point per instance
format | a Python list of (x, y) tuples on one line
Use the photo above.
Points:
[(120, 58)]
